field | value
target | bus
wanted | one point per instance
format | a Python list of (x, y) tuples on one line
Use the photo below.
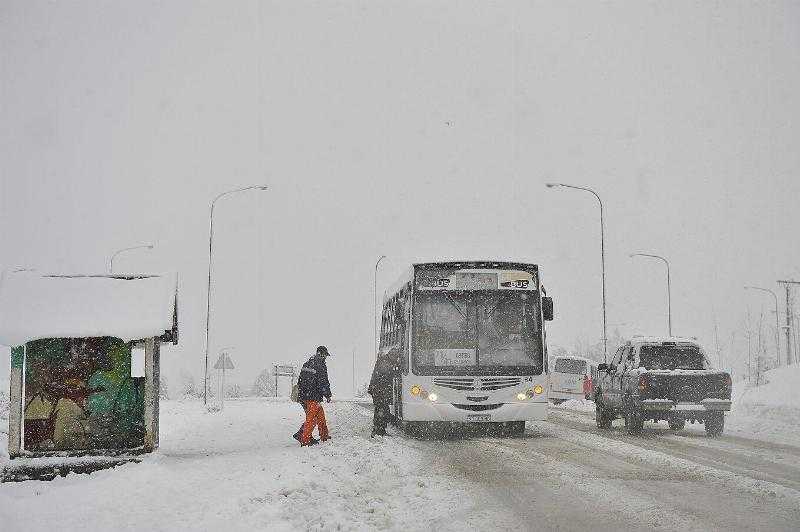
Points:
[(470, 340)]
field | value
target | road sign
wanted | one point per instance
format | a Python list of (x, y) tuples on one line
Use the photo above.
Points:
[(284, 371), (224, 362)]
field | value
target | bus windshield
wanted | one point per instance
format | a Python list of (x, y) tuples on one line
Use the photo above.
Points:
[(477, 332)]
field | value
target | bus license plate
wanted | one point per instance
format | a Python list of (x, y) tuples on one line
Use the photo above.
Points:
[(479, 417)]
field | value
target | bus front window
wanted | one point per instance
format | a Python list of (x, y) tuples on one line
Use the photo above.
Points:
[(507, 330), (443, 322), (478, 332)]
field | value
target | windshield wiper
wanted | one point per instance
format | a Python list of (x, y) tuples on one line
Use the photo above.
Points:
[(452, 302)]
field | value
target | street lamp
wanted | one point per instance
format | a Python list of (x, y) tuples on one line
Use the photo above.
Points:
[(602, 257), (208, 292), (111, 262), (777, 322), (375, 306), (669, 290)]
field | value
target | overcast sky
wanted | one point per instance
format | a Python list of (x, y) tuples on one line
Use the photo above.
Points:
[(418, 130)]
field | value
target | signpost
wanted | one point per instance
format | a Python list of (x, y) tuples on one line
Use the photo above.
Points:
[(283, 370), (223, 363)]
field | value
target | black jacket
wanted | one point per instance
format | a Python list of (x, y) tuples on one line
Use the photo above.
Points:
[(313, 383), (380, 385)]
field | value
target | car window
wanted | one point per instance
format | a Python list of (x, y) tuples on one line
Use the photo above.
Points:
[(629, 364)]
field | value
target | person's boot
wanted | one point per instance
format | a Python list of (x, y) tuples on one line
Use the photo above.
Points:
[(298, 436), (313, 441)]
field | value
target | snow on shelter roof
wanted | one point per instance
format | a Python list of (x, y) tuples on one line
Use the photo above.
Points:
[(130, 307)]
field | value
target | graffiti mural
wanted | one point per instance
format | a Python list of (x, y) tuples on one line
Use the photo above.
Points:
[(79, 394)]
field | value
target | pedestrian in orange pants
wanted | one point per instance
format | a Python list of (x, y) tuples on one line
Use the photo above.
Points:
[(315, 417), (312, 387)]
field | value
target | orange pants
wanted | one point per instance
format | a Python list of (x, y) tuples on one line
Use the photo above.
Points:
[(315, 417)]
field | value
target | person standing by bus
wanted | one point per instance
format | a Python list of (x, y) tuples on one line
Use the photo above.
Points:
[(380, 388), (312, 387)]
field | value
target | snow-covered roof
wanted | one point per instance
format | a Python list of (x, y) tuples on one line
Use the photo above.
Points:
[(130, 307)]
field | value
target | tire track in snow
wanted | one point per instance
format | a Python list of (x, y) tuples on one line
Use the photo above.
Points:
[(763, 461)]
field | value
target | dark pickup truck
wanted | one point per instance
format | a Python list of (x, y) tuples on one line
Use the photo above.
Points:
[(661, 379)]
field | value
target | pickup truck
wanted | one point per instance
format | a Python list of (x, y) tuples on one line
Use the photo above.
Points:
[(661, 379)]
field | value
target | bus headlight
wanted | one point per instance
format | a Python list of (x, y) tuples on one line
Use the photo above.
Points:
[(416, 390), (538, 389), (522, 396), (433, 396)]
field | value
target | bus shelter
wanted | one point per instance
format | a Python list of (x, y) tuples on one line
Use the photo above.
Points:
[(85, 352)]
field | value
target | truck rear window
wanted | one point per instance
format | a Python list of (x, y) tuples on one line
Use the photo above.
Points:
[(671, 357), (570, 365)]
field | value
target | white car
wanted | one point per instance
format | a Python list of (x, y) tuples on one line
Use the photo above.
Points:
[(571, 378)]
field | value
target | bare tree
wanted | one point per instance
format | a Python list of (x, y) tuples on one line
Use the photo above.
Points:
[(264, 385)]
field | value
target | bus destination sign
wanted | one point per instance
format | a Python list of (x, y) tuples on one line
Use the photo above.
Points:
[(476, 280)]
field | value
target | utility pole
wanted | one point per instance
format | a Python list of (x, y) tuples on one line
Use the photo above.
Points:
[(787, 286)]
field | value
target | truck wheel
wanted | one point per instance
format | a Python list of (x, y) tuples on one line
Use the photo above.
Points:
[(602, 418), (715, 424), (676, 423), (634, 422)]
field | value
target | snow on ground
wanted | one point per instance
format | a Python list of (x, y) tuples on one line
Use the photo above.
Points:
[(770, 411), (780, 389), (239, 469), (577, 405)]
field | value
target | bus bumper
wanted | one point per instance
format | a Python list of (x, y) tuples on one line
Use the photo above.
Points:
[(529, 411)]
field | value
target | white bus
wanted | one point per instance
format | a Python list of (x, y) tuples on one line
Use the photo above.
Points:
[(471, 343)]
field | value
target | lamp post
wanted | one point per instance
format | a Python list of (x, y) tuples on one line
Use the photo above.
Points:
[(777, 322), (669, 290), (208, 292), (602, 257), (111, 262), (375, 306)]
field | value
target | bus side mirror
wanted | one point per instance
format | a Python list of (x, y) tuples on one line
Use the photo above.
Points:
[(547, 308)]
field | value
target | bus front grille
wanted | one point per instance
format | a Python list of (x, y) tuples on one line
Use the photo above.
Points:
[(455, 383), (497, 383), (483, 383), (478, 408)]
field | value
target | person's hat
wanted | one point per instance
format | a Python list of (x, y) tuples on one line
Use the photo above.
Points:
[(322, 350)]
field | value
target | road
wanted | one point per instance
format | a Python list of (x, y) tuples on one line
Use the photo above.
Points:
[(566, 474), (240, 469)]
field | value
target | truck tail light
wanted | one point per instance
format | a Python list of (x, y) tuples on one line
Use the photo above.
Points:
[(643, 383)]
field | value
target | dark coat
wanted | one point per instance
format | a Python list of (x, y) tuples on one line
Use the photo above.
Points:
[(313, 384), (380, 384)]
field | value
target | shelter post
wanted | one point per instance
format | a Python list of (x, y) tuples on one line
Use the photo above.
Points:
[(16, 401), (152, 353)]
